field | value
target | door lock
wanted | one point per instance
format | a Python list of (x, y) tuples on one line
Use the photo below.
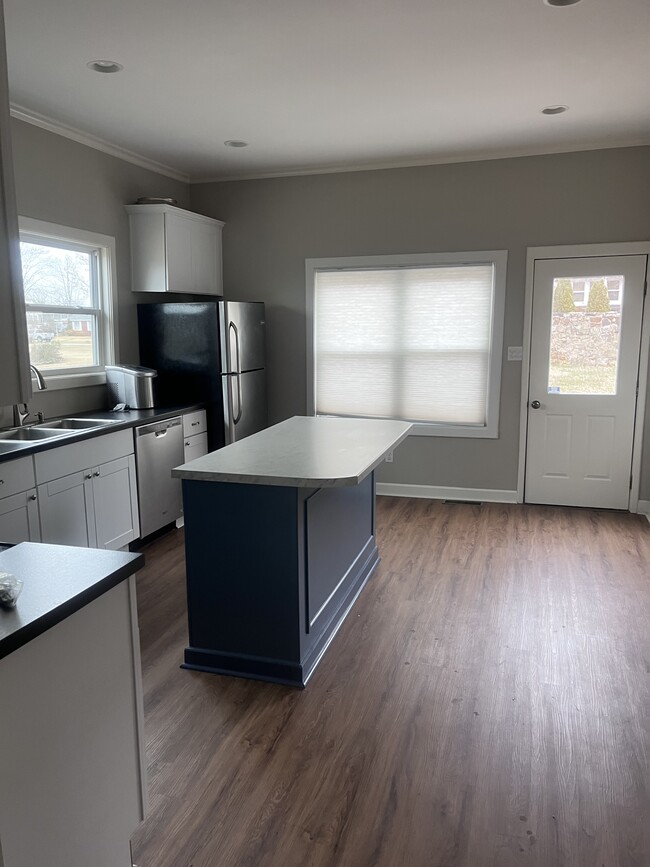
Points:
[(535, 404)]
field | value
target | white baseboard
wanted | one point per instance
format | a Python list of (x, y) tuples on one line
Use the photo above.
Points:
[(643, 508), (433, 492)]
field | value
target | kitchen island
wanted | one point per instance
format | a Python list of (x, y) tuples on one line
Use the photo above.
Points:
[(280, 540), (72, 785)]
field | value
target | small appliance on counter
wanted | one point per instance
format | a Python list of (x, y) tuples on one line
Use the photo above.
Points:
[(130, 385)]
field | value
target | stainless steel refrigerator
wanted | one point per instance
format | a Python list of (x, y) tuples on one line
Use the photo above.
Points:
[(210, 352)]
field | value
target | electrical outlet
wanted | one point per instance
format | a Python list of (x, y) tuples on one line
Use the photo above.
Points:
[(389, 458)]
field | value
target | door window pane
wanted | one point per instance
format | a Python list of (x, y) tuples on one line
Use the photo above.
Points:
[(585, 334)]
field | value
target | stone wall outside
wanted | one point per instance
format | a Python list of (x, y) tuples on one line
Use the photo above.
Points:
[(585, 339)]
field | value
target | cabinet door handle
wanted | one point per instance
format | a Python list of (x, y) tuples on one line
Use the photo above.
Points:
[(88, 476), (33, 497), (96, 473), (187, 444)]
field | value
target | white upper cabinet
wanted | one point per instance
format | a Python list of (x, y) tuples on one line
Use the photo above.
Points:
[(173, 250)]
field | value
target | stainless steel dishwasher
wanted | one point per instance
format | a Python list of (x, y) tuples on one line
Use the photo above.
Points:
[(158, 449)]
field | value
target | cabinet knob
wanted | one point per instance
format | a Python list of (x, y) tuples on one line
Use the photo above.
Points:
[(195, 423), (96, 473), (2, 481), (187, 444), (33, 497), (88, 476)]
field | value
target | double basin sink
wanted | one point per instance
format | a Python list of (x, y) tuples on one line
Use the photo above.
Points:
[(52, 429)]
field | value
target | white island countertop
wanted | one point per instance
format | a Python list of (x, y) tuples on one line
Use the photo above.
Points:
[(303, 451)]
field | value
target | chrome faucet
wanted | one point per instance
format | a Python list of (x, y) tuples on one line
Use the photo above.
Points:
[(39, 377), (21, 410)]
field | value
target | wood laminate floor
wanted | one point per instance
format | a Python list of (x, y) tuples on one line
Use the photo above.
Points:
[(483, 705)]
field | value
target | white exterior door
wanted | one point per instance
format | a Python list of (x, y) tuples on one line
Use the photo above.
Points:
[(584, 361)]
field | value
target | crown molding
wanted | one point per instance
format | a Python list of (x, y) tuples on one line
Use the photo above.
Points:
[(55, 126), (445, 159), (58, 128)]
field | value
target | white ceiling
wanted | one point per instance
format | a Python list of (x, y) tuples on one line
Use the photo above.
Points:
[(333, 84)]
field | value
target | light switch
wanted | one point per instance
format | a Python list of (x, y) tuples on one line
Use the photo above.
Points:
[(515, 353)]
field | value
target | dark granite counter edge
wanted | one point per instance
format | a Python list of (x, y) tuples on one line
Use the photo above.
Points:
[(28, 631), (116, 422)]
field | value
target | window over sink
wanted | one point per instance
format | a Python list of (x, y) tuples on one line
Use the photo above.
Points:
[(413, 337), (67, 279)]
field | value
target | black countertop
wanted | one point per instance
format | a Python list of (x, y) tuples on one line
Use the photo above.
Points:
[(58, 580), (118, 421)]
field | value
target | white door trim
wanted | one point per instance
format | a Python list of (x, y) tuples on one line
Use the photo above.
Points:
[(632, 248)]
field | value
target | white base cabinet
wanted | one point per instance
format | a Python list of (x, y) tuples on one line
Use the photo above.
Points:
[(73, 785), (195, 433), (115, 498), (67, 511), (195, 442), (87, 493), (195, 447), (19, 520), (93, 508)]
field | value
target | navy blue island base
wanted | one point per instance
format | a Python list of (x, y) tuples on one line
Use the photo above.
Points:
[(272, 572)]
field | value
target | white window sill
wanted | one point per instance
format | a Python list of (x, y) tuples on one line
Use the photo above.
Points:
[(61, 381), (453, 430), (431, 429)]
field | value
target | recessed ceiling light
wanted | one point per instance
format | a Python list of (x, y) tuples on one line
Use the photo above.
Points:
[(561, 2), (104, 66), (555, 109), (236, 143)]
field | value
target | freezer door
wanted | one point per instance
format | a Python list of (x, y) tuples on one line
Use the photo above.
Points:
[(244, 398), (243, 339)]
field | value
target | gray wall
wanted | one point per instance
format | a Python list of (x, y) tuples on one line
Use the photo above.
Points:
[(273, 225), (64, 182)]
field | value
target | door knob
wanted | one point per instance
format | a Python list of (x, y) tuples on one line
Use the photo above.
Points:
[(535, 404)]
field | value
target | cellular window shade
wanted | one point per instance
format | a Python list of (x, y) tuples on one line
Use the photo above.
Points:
[(409, 343)]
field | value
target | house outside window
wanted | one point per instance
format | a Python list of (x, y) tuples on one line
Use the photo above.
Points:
[(582, 289), (67, 279), (417, 337)]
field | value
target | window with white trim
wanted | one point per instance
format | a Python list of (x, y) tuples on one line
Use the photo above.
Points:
[(67, 280), (417, 338)]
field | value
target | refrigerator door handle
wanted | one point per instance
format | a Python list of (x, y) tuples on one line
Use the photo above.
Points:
[(235, 330), (239, 400), (234, 416)]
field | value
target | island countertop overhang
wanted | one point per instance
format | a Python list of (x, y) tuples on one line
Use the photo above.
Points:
[(303, 451)]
